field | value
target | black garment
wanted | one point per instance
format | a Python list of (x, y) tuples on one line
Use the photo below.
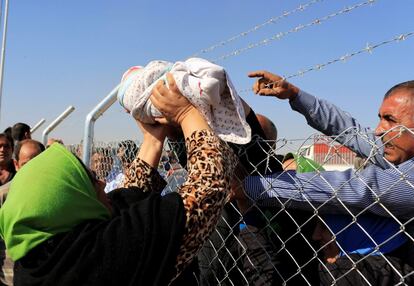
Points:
[(260, 263), (137, 246), (297, 252), (276, 252), (219, 258), (257, 156), (190, 276), (374, 269)]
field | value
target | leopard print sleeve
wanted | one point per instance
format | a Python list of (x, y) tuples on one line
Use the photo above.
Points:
[(140, 174), (210, 166)]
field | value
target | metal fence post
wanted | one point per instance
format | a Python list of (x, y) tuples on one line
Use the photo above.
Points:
[(37, 125), (3, 49), (92, 116), (56, 122)]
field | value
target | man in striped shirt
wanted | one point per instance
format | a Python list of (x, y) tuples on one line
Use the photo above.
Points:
[(379, 200)]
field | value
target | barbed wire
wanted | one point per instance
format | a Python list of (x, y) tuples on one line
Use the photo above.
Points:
[(272, 20), (298, 28), (368, 49)]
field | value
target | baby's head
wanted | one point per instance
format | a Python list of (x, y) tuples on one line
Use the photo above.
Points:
[(129, 72), (137, 83), (126, 81)]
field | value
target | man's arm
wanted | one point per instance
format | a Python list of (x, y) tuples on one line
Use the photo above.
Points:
[(332, 121), (374, 189), (323, 116)]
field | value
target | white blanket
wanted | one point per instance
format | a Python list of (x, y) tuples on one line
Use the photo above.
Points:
[(206, 85)]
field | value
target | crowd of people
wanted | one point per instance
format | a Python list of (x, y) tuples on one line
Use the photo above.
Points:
[(16, 149), (219, 207)]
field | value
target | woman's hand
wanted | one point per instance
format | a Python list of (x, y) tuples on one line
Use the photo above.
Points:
[(270, 84), (170, 102), (151, 147), (153, 132)]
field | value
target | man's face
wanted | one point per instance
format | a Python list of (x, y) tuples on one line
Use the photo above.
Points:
[(397, 109), (27, 152), (5, 150)]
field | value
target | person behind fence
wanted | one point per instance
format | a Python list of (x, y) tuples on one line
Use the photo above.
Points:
[(7, 169), (25, 150), (218, 258), (77, 235), (209, 88), (266, 262), (21, 131), (382, 189), (320, 233), (8, 131), (7, 172), (102, 162), (260, 258), (222, 265), (126, 153)]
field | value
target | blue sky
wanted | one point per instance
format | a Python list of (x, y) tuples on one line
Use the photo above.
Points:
[(62, 53)]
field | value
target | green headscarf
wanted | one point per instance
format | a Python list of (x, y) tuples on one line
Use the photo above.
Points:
[(51, 194), (303, 164)]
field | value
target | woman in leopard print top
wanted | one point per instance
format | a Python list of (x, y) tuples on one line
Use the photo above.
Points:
[(211, 164), (142, 238)]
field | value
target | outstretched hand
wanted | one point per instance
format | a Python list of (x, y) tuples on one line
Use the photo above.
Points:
[(170, 102), (270, 84), (154, 132)]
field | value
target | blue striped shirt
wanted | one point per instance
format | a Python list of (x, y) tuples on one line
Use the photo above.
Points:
[(374, 188), (381, 188)]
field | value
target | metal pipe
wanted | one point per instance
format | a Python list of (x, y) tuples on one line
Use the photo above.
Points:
[(92, 116), (38, 124), (3, 49), (56, 122)]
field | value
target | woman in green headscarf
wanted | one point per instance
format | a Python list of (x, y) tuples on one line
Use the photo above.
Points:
[(62, 229)]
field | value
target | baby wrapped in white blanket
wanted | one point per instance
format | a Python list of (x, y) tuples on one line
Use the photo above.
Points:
[(206, 85)]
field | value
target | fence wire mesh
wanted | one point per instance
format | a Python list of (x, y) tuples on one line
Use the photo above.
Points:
[(271, 236)]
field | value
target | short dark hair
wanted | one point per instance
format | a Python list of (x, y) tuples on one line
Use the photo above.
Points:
[(20, 144), (8, 131), (19, 130), (408, 85)]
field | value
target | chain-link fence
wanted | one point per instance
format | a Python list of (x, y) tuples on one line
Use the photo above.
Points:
[(312, 212)]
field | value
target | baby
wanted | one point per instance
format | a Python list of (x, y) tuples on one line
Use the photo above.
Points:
[(206, 85)]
